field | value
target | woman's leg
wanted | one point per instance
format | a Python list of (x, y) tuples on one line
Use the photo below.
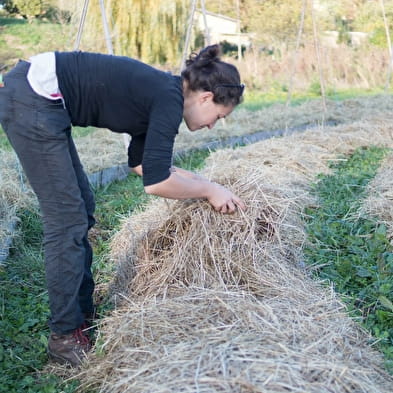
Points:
[(39, 131), (87, 287)]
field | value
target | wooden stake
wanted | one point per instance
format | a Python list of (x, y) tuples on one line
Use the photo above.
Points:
[(207, 32), (385, 21), (318, 54), (188, 34), (298, 40), (81, 25)]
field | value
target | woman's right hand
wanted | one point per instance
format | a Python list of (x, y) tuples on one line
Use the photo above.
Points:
[(223, 200)]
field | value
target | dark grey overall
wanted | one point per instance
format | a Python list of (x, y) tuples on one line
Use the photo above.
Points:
[(39, 130)]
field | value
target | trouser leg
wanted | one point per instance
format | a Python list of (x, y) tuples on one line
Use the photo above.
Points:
[(39, 131), (87, 286)]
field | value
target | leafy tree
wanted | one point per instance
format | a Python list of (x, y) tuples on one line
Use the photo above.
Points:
[(30, 8), (276, 22), (370, 20), (9, 6), (151, 30)]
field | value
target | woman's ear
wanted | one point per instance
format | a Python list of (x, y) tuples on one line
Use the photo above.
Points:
[(205, 97)]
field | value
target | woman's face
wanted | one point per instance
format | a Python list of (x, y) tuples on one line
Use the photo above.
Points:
[(200, 111)]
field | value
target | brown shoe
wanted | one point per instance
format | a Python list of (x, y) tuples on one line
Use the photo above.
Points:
[(69, 348)]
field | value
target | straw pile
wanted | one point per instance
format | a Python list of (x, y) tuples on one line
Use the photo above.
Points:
[(13, 195), (209, 341), (379, 202), (279, 116), (214, 303), (110, 146)]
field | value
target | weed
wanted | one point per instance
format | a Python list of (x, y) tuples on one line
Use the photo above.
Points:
[(354, 252)]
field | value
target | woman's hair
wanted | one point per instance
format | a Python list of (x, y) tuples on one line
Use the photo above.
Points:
[(205, 71)]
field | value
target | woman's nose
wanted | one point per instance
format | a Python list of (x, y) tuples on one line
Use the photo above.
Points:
[(211, 125)]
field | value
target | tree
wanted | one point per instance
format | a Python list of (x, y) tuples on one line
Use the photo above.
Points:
[(29, 9), (370, 20), (276, 22), (151, 30)]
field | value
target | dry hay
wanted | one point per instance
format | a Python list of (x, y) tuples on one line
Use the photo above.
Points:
[(215, 303), (103, 149), (299, 340), (14, 194), (379, 202), (177, 245), (279, 116)]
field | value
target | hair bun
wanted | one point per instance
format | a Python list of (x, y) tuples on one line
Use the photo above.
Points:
[(206, 56)]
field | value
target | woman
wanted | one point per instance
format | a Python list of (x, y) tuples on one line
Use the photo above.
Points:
[(43, 98)]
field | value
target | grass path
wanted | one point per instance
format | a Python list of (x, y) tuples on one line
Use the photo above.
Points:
[(352, 251)]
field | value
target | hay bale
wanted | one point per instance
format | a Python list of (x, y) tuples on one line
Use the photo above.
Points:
[(216, 303)]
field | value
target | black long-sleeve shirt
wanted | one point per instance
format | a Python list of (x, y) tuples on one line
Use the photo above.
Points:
[(125, 95)]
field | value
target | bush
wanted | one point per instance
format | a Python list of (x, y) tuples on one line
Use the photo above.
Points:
[(29, 9)]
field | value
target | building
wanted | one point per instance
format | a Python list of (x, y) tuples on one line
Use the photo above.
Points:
[(221, 28)]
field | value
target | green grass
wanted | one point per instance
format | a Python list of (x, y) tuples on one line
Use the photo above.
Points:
[(23, 296), (256, 99), (20, 38), (23, 315), (354, 252)]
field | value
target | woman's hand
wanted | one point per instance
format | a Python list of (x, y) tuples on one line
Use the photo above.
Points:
[(223, 200), (183, 184)]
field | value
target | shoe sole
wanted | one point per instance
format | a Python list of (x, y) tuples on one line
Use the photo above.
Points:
[(61, 360)]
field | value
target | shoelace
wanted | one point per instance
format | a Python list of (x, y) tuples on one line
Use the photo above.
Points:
[(80, 337)]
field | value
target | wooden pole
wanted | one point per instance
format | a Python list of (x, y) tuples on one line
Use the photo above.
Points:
[(108, 40), (298, 40), (107, 33), (207, 31), (239, 44), (188, 34), (81, 25), (389, 42), (318, 55)]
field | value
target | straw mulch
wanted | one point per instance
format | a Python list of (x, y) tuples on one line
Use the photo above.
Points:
[(279, 116), (215, 303), (210, 341), (379, 202), (14, 194), (103, 149)]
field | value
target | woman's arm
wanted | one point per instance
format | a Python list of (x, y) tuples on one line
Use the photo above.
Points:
[(188, 174), (177, 186), (137, 170), (183, 184)]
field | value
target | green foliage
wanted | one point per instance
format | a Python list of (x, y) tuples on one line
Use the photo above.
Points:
[(23, 315), (28, 8), (155, 37), (4, 143), (9, 6), (354, 252), (378, 37), (20, 39)]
